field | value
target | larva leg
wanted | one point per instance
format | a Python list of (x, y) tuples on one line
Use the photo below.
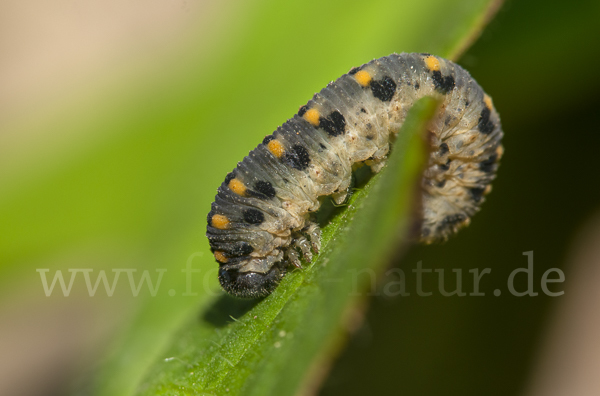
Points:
[(307, 241), (314, 234), (345, 188), (341, 198), (292, 256), (302, 244), (376, 164)]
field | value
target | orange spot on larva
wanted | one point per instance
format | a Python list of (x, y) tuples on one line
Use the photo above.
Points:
[(432, 63), (363, 77), (219, 221), (237, 187), (312, 116), (500, 151), (488, 102), (276, 148), (220, 257)]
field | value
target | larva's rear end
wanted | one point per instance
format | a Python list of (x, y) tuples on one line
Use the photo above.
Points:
[(466, 146)]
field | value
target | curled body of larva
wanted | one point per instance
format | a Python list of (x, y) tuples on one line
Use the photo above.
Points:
[(259, 221)]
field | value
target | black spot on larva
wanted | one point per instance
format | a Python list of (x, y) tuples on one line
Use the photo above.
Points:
[(445, 166), (253, 216), (452, 220), (230, 176), (297, 157), (334, 124), (265, 188), (443, 84), (467, 103), (441, 184), (485, 125), (362, 110), (487, 165), (354, 70), (444, 149), (246, 248), (267, 139), (417, 86), (476, 193), (322, 146), (302, 110), (238, 249), (370, 137), (425, 54), (384, 89)]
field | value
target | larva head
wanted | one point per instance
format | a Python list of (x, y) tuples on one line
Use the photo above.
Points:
[(246, 275), (249, 258), (250, 284)]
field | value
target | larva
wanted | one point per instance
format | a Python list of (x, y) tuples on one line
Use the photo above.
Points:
[(259, 222)]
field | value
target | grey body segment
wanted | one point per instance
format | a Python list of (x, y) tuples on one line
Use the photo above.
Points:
[(256, 224)]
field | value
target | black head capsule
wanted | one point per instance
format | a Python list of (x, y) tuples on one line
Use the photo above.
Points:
[(250, 284)]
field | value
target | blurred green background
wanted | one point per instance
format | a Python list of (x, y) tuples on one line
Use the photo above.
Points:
[(118, 122)]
